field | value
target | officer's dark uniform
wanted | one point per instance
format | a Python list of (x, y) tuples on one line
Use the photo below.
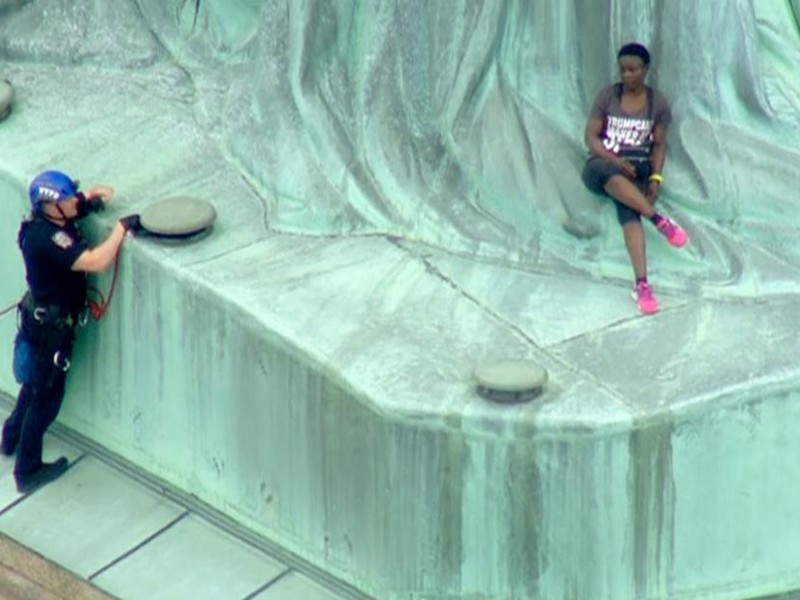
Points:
[(48, 314)]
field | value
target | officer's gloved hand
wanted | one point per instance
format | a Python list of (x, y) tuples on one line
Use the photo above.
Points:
[(95, 204), (131, 223), (89, 205)]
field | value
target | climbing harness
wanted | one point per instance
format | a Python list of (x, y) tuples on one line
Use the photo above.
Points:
[(97, 308)]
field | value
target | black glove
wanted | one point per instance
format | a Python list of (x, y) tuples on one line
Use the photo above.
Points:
[(131, 223), (95, 204), (89, 205)]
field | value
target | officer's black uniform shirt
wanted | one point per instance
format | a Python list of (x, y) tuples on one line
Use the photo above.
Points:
[(49, 251)]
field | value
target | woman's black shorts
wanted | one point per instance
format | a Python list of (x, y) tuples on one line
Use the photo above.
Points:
[(597, 172)]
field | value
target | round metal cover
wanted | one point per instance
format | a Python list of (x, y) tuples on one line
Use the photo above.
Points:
[(180, 216), (6, 98), (510, 380)]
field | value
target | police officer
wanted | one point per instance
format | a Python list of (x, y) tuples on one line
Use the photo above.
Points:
[(57, 260)]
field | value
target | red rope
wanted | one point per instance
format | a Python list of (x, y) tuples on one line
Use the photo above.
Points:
[(98, 309)]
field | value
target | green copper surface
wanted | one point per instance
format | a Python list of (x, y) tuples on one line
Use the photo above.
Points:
[(392, 182)]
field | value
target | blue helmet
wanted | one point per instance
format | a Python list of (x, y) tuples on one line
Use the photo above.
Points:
[(51, 186)]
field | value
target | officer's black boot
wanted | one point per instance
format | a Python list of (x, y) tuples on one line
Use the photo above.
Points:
[(44, 474), (8, 444)]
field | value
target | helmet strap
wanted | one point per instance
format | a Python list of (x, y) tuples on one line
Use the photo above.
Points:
[(61, 211), (51, 217)]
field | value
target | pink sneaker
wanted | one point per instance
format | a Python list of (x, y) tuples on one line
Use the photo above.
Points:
[(675, 235), (642, 293)]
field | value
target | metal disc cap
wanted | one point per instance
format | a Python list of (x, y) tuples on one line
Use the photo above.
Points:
[(515, 380), (179, 216)]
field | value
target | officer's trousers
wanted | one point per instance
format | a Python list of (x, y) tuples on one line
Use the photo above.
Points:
[(42, 390), (37, 407)]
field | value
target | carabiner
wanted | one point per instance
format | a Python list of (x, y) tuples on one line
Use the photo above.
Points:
[(56, 357)]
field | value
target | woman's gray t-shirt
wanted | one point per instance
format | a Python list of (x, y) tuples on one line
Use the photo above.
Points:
[(629, 135)]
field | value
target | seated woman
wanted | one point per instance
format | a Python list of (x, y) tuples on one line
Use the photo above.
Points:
[(625, 134)]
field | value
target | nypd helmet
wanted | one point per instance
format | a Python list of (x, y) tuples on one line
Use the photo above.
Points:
[(51, 186)]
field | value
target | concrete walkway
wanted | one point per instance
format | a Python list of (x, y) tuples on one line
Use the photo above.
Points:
[(104, 529)]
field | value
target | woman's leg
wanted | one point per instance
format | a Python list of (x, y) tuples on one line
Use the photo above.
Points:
[(633, 232), (624, 190)]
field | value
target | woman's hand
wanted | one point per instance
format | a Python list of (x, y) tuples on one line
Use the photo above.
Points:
[(628, 169), (652, 192)]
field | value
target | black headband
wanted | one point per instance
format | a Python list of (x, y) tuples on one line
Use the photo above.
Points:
[(635, 50)]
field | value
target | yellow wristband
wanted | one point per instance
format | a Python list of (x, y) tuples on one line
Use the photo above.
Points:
[(656, 178)]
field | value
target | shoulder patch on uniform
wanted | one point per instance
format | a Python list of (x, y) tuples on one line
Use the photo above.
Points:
[(62, 240)]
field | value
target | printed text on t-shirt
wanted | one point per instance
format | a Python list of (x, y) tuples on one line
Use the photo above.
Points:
[(625, 131)]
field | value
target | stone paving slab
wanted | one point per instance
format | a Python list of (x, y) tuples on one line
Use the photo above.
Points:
[(88, 518), (192, 559)]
